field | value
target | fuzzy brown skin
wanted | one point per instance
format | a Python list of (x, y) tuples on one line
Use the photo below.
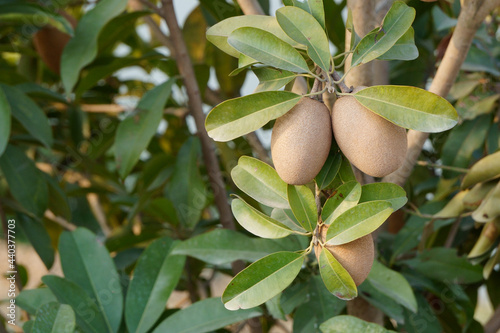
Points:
[(356, 257), (374, 145), (49, 43), (301, 141)]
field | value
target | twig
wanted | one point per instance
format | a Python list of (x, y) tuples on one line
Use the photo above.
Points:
[(250, 7), (444, 167), (453, 232), (59, 220), (493, 325), (336, 76), (429, 216)]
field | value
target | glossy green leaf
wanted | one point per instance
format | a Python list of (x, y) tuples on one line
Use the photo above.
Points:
[(396, 22), (344, 323), (219, 33), (272, 79), (155, 276), (267, 49), (303, 206), (89, 318), (487, 168), (329, 171), (29, 114), (344, 198), (81, 50), (404, 49), (135, 132), (31, 300), (26, 182), (306, 30), (207, 315), (337, 280), (256, 222), (240, 116), (358, 221), (392, 284), (313, 7), (286, 217), (409, 107), (39, 238), (54, 318), (390, 192), (4, 121), (260, 181), (262, 280), (87, 262), (222, 246), (490, 206), (346, 174)]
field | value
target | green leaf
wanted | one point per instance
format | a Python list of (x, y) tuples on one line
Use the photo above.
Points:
[(262, 280), (135, 132), (186, 188), (89, 318), (207, 315), (155, 276), (32, 15), (86, 262), (244, 63), (54, 318), (485, 169), (260, 181), (240, 116), (81, 50), (404, 49), (219, 33), (267, 49), (4, 121), (329, 171), (32, 299), (313, 7), (396, 22), (425, 314), (346, 174), (381, 301), (454, 207), (489, 207), (26, 182), (39, 238), (256, 222), (272, 79), (58, 201), (222, 246), (303, 206), (358, 222), (337, 280), (29, 114), (306, 30), (286, 217), (392, 284), (346, 196), (390, 192), (409, 107), (344, 323)]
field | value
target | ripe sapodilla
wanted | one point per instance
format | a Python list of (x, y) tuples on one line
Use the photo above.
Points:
[(373, 144), (301, 141), (356, 257)]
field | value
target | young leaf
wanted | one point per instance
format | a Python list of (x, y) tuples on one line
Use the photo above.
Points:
[(155, 276), (358, 221), (404, 49), (344, 323), (256, 222), (240, 116), (313, 7), (337, 280), (260, 181), (135, 132), (4, 121), (219, 33), (396, 22), (81, 50), (329, 171), (54, 318), (305, 29), (346, 196), (384, 191), (86, 262), (204, 316), (409, 107), (272, 79), (485, 169), (267, 49), (262, 280), (303, 206)]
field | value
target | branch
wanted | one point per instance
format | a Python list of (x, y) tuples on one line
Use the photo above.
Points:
[(472, 15), (251, 7), (59, 220), (493, 325)]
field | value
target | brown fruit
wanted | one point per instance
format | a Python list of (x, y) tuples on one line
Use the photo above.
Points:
[(356, 257), (301, 141), (374, 145), (49, 43)]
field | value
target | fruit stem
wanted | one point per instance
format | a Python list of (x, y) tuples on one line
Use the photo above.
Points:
[(340, 83)]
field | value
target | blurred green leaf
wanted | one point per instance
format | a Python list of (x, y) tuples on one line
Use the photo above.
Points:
[(344, 198), (54, 318), (337, 280), (24, 13), (39, 238), (32, 299), (390, 192), (413, 322), (485, 169), (489, 207), (303, 206), (193, 33), (4, 121), (341, 324)]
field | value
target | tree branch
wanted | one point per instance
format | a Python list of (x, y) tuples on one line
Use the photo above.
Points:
[(493, 325), (471, 16), (251, 7)]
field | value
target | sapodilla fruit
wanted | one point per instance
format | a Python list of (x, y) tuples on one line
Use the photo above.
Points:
[(49, 43), (301, 141), (356, 257), (374, 145)]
